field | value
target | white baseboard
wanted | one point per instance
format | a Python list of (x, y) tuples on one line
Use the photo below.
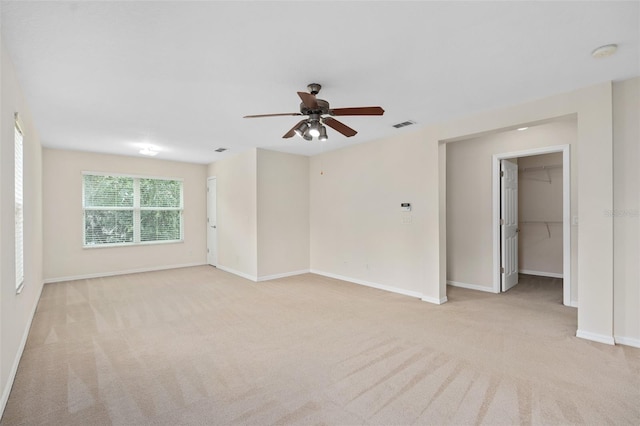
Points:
[(115, 273), (238, 273), (14, 367), (600, 338), (283, 275), (541, 274), (434, 300), (574, 304), (470, 286), (628, 341), (369, 284)]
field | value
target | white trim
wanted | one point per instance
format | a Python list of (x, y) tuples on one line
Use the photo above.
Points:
[(238, 273), (629, 341), (600, 338), (87, 172), (540, 273), (14, 368), (115, 273), (283, 275), (574, 304), (471, 286), (566, 213), (434, 300), (402, 291)]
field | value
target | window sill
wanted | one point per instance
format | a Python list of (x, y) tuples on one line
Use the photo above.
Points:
[(120, 245)]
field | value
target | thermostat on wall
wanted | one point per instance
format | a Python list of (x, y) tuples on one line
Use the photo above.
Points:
[(405, 207)]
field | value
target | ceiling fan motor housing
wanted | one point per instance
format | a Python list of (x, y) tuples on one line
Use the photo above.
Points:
[(322, 108)]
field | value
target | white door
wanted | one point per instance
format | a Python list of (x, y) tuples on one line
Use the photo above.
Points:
[(212, 223), (509, 224)]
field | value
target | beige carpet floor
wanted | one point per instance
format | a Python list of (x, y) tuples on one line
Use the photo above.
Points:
[(199, 346)]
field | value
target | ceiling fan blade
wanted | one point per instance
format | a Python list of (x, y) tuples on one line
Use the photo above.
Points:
[(339, 126), (272, 115), (292, 132), (308, 100), (372, 110)]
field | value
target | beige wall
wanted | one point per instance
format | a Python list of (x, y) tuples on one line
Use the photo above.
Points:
[(65, 257), (353, 234), (263, 214), (352, 224), (358, 231), (470, 192), (593, 107), (283, 213), (626, 142), (16, 310), (236, 182), (540, 200)]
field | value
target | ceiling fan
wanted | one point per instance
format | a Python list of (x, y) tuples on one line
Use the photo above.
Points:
[(320, 114)]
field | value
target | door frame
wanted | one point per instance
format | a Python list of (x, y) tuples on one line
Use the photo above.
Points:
[(566, 213), (215, 243)]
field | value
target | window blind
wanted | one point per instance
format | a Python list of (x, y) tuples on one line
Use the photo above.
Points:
[(19, 205), (131, 210)]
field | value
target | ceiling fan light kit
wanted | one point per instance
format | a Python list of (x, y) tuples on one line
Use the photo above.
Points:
[(319, 114), (302, 128)]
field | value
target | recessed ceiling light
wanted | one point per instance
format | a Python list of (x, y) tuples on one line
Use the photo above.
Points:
[(604, 51), (148, 151), (522, 128)]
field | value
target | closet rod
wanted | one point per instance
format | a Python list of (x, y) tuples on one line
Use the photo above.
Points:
[(552, 166)]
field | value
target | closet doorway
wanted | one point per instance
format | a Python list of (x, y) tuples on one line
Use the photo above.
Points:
[(534, 239)]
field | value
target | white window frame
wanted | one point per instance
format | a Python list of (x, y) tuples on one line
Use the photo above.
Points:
[(19, 202), (136, 211)]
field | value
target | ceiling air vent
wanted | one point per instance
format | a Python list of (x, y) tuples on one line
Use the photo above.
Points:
[(221, 149), (404, 124)]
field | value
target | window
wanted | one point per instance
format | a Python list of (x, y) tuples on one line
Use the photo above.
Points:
[(19, 205), (123, 210)]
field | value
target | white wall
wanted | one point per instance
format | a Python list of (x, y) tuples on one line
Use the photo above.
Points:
[(236, 183), (283, 213), (626, 216), (539, 200), (65, 257), (16, 310)]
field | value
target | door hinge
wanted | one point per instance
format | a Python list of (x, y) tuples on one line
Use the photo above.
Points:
[(208, 251), (502, 270), (501, 173), (501, 221)]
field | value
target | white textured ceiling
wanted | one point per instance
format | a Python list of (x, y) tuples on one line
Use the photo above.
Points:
[(110, 76)]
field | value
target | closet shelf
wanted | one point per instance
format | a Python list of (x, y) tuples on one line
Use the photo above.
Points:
[(537, 169)]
